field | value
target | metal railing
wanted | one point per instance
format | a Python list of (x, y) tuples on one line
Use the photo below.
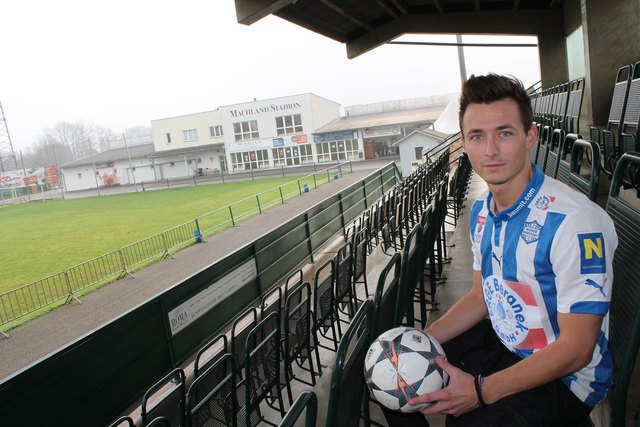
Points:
[(114, 265)]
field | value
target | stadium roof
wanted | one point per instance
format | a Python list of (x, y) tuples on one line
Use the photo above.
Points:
[(386, 118), (365, 24)]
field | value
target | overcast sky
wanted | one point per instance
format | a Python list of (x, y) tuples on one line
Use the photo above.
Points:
[(124, 63)]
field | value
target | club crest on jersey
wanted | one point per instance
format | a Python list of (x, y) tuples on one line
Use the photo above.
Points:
[(543, 202), (531, 231), (592, 253)]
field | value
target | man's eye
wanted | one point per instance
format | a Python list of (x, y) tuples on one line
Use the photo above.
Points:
[(476, 137), (505, 133)]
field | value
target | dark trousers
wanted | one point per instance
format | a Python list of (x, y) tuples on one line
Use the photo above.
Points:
[(478, 351)]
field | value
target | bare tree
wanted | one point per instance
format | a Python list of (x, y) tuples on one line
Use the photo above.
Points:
[(46, 151), (74, 140), (138, 135)]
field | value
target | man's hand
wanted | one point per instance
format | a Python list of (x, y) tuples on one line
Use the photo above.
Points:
[(456, 399)]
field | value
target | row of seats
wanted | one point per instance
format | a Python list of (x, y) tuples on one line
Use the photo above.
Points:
[(621, 133), (611, 151), (278, 341), (417, 205), (564, 154), (559, 107)]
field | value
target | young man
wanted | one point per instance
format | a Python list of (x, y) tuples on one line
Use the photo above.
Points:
[(542, 276)]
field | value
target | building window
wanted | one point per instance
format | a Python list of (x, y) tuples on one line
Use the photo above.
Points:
[(215, 131), (190, 135), (292, 156), (418, 152), (289, 124), (246, 130), (575, 54), (168, 135), (250, 160), (338, 150)]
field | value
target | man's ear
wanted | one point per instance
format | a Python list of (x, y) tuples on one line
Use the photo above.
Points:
[(462, 143), (532, 136)]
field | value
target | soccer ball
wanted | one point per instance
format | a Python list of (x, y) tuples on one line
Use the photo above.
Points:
[(400, 365)]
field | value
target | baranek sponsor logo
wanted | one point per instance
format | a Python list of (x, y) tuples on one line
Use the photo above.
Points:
[(507, 311)]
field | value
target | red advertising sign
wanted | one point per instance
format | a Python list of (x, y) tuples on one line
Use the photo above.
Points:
[(51, 174), (31, 180), (299, 139)]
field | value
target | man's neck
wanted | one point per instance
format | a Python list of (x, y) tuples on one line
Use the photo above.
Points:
[(505, 195)]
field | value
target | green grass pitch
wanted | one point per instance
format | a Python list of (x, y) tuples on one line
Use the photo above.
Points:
[(39, 239)]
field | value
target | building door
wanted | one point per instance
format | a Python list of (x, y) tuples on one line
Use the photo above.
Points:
[(369, 149)]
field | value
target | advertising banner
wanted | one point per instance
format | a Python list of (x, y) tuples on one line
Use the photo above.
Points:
[(254, 144), (299, 139), (34, 176), (381, 131), (51, 175), (334, 136)]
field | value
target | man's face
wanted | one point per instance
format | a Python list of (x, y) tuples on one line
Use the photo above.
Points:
[(494, 138)]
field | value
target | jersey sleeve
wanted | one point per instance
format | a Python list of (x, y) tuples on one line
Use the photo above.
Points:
[(582, 256), (475, 231)]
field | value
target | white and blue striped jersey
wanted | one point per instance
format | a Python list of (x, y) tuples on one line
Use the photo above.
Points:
[(551, 252)]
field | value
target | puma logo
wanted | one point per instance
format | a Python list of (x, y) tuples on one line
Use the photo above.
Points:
[(596, 285)]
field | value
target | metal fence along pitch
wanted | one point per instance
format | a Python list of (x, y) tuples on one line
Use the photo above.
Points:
[(114, 265)]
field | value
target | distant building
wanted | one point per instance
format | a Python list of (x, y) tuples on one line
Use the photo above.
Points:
[(251, 135), (189, 144), (277, 132), (120, 166), (374, 129), (411, 147)]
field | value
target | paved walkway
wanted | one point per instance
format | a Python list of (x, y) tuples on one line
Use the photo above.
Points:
[(36, 339)]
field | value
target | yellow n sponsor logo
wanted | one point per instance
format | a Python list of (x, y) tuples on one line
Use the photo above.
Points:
[(592, 246), (592, 253)]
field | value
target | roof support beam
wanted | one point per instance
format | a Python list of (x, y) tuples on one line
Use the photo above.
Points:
[(250, 11), (383, 4), (348, 14), (402, 7), (529, 22), (438, 4)]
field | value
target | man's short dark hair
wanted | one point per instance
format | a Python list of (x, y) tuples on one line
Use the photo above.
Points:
[(492, 88)]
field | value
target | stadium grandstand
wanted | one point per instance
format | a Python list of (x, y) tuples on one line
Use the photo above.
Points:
[(301, 302)]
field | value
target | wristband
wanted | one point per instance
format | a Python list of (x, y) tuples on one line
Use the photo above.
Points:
[(478, 380)]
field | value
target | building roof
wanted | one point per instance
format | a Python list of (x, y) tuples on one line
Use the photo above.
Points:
[(186, 150), (134, 151), (386, 118), (438, 136)]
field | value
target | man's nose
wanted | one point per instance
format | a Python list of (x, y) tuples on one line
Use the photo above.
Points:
[(491, 147)]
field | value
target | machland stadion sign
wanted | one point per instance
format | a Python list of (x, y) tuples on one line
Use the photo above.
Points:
[(201, 303)]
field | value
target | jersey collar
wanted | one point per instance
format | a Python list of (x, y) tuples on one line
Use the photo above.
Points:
[(525, 198)]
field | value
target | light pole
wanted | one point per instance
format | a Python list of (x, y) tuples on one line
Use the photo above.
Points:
[(133, 172)]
